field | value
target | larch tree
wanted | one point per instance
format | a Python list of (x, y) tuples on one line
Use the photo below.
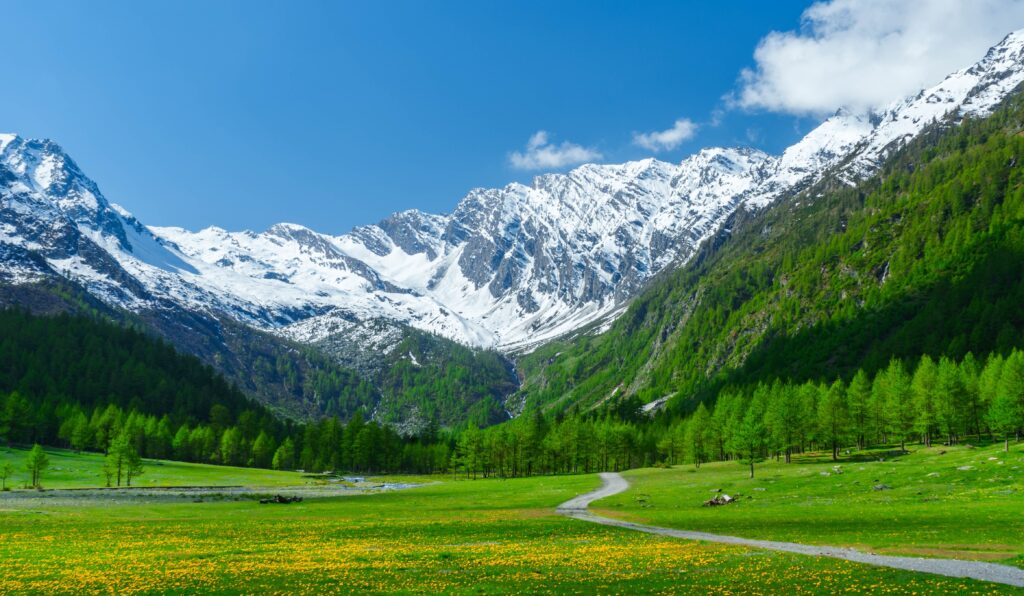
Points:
[(973, 412), (858, 398), (950, 400), (695, 439), (878, 417), (923, 387), (833, 417), (899, 402), (36, 463), (1006, 412), (6, 471), (988, 387), (284, 457), (749, 439)]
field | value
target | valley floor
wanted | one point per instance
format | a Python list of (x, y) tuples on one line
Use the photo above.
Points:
[(504, 535), (957, 502)]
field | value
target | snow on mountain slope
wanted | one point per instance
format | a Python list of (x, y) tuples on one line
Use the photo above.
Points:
[(973, 91), (508, 268)]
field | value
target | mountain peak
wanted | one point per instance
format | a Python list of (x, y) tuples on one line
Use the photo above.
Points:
[(6, 139)]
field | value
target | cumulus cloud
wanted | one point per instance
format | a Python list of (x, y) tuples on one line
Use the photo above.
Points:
[(862, 54), (666, 140), (542, 154)]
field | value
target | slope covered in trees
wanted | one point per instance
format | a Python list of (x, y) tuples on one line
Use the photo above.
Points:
[(423, 377), (92, 385), (925, 258)]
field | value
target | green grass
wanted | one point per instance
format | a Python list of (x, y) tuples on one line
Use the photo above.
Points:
[(932, 509), (85, 470), (481, 536)]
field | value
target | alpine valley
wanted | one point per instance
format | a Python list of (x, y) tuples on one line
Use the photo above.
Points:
[(475, 314)]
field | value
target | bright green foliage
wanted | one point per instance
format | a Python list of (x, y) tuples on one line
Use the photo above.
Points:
[(263, 449), (899, 402), (6, 471), (35, 464), (833, 417), (123, 462), (697, 438), (1006, 412), (858, 401), (923, 388), (951, 401), (284, 457), (749, 438)]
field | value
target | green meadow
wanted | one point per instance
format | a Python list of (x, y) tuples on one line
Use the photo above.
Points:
[(477, 536), (68, 469), (957, 502)]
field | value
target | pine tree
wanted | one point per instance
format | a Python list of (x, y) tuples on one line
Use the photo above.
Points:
[(749, 439), (6, 471), (833, 417), (879, 420), (1006, 412), (969, 380), (695, 439), (232, 449), (988, 388), (899, 402), (858, 398), (81, 434), (36, 463), (950, 400), (262, 450), (923, 386), (284, 457)]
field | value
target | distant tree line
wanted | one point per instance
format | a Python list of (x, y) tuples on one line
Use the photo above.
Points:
[(90, 385), (943, 401), (189, 414)]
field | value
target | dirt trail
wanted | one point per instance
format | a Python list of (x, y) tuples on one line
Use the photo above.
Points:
[(613, 484)]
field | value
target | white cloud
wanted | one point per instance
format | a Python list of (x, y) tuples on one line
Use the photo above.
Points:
[(862, 54), (666, 140), (541, 154)]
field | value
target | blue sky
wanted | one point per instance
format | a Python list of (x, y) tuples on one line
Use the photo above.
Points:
[(335, 114)]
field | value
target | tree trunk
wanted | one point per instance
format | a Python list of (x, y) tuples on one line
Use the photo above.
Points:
[(751, 467)]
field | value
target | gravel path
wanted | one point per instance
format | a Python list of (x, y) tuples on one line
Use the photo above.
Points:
[(614, 484)]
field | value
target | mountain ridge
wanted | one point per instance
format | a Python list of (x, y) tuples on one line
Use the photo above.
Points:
[(508, 269)]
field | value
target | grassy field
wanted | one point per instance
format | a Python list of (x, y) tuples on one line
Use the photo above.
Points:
[(481, 536), (955, 502), (83, 470)]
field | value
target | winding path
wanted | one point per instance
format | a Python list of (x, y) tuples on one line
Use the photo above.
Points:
[(613, 484)]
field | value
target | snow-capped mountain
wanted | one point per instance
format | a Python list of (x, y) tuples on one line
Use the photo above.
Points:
[(508, 268)]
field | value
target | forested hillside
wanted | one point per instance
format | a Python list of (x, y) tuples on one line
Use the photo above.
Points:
[(435, 380), (925, 258), (423, 378), (91, 385)]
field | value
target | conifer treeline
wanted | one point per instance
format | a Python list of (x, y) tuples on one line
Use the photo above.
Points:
[(944, 401), (86, 385)]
